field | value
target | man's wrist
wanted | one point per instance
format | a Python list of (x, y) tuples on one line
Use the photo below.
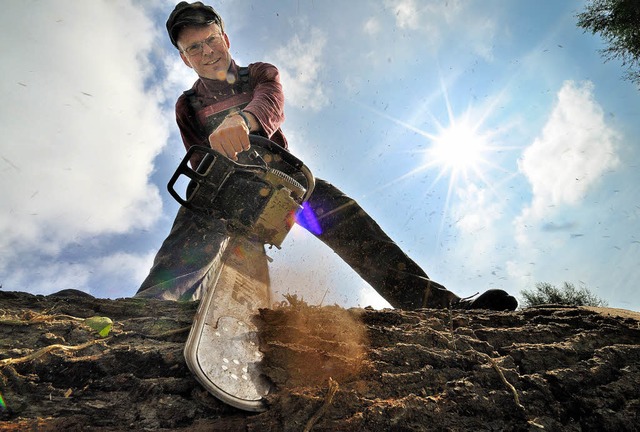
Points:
[(246, 120)]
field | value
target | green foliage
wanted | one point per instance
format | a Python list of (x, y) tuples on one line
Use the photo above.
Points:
[(546, 293), (618, 22), (102, 325)]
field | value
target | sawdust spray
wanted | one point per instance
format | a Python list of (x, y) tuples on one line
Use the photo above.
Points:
[(307, 345)]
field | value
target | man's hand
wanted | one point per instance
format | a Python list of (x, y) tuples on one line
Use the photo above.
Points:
[(231, 137)]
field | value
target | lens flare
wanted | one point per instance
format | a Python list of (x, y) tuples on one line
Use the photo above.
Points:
[(307, 219)]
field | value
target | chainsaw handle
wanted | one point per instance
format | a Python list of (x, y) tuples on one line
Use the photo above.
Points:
[(276, 148), (210, 156), (183, 169), (288, 158)]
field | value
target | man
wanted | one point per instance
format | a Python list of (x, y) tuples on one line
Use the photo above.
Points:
[(223, 107)]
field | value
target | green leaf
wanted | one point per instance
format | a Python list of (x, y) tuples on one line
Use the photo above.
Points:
[(100, 324)]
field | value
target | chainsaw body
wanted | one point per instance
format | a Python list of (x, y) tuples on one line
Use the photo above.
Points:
[(257, 196)]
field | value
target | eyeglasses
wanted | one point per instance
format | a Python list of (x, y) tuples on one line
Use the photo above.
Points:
[(196, 49)]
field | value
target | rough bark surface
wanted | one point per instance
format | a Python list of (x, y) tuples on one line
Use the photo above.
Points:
[(548, 368)]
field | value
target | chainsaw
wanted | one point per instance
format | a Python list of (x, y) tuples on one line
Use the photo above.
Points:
[(258, 197)]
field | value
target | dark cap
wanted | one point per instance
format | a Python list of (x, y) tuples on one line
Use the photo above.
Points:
[(190, 14)]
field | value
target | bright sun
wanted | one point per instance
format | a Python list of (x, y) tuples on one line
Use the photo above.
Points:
[(458, 150), (463, 151)]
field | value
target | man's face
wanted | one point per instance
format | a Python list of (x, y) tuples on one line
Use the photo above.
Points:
[(206, 51)]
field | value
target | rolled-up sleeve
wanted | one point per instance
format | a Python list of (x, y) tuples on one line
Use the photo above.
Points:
[(267, 104)]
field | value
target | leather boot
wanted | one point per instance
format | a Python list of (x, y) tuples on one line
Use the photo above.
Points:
[(493, 299)]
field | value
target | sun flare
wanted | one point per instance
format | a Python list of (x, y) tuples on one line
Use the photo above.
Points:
[(458, 150), (461, 151)]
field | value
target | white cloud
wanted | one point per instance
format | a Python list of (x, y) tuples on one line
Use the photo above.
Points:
[(570, 158), (120, 268), (406, 13), (372, 26), (369, 297), (79, 130), (476, 214), (300, 63), (575, 149), (43, 276), (453, 21), (179, 78), (48, 277)]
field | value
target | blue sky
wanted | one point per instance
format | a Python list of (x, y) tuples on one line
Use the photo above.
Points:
[(488, 138)]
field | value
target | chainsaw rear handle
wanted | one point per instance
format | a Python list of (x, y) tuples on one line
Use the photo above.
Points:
[(287, 157), (209, 154), (275, 148)]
